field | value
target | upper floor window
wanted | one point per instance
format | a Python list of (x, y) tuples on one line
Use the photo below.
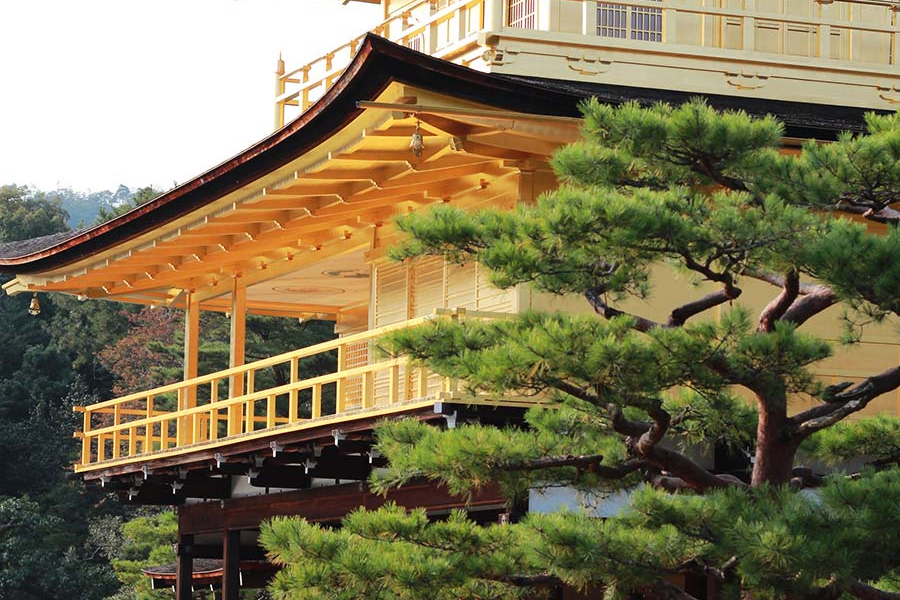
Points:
[(522, 14), (629, 22)]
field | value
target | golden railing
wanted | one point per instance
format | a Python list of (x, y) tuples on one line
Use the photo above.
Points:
[(423, 25), (204, 413)]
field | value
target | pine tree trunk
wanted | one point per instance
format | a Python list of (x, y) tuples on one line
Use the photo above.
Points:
[(774, 453)]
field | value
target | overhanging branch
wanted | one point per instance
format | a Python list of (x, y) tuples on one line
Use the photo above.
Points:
[(852, 399), (865, 591), (681, 314)]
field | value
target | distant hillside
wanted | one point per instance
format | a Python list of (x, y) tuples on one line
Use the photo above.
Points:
[(85, 207)]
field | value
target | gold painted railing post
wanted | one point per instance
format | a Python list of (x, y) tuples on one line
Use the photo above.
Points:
[(250, 408), (214, 413), (163, 434), (86, 440), (148, 433), (317, 401), (292, 395), (249, 416), (341, 385), (368, 399), (304, 96), (117, 434), (279, 90), (132, 441), (181, 425), (270, 411)]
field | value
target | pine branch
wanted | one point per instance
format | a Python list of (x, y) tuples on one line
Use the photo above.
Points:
[(885, 215), (809, 305), (853, 399), (625, 426), (812, 299), (865, 591), (588, 462), (538, 580), (684, 312), (647, 447), (790, 289), (595, 298)]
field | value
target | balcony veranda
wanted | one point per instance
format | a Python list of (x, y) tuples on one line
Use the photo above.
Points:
[(821, 51), (226, 407)]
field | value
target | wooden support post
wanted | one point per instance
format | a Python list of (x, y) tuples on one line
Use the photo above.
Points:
[(317, 401), (270, 411), (292, 395), (368, 398), (188, 397), (117, 434), (148, 431), (184, 568), (236, 354), (86, 440), (341, 390), (231, 569)]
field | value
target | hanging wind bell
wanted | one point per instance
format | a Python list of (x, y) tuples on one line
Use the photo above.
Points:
[(417, 143), (34, 309)]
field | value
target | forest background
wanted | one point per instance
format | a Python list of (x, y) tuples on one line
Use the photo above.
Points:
[(58, 538)]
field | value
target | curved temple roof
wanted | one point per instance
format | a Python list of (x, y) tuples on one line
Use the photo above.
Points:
[(377, 64)]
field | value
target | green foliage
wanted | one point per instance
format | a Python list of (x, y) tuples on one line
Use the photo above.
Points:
[(781, 544), (631, 400), (40, 558), (26, 213), (874, 439), (146, 541)]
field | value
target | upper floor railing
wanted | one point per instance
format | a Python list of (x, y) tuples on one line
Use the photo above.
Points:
[(435, 27), (218, 408), (859, 31)]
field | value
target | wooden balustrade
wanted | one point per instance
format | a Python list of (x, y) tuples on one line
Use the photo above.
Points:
[(137, 424), (418, 26)]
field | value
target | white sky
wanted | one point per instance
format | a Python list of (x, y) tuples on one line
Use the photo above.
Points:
[(94, 93)]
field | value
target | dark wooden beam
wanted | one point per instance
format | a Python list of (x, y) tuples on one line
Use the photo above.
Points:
[(280, 476), (324, 505), (231, 554), (215, 551), (184, 567)]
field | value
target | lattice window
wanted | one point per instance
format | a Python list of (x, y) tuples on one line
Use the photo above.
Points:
[(522, 14), (357, 355), (629, 22)]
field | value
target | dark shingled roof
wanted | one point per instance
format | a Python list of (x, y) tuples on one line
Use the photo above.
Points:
[(801, 119), (377, 63), (25, 247)]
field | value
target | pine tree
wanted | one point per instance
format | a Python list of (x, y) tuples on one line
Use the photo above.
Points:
[(632, 398)]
